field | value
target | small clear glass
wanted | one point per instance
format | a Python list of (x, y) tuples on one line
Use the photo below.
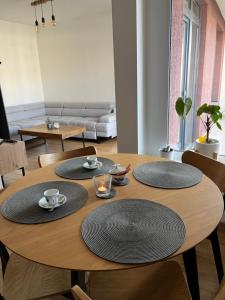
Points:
[(102, 185)]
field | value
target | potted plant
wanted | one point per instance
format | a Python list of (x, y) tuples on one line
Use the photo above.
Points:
[(166, 152), (209, 115), (183, 106)]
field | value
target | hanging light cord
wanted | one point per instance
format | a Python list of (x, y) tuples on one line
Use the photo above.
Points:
[(41, 10), (35, 11), (53, 16), (52, 8)]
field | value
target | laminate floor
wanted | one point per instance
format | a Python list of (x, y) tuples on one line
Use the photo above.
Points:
[(207, 272)]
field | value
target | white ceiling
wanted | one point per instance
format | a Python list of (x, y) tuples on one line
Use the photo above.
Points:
[(20, 11), (221, 4)]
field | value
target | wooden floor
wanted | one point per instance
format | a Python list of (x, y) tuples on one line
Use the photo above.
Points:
[(207, 273)]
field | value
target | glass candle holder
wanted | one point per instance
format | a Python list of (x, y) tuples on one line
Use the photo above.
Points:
[(102, 185)]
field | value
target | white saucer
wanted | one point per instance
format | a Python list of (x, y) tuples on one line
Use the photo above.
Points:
[(90, 167), (43, 203)]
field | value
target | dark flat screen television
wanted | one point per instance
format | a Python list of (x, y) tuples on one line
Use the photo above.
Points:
[(4, 128)]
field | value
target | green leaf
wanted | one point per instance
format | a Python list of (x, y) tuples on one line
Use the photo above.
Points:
[(187, 106), (183, 106), (202, 109), (180, 107), (219, 125)]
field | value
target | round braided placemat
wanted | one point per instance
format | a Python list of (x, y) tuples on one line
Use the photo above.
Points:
[(133, 231), (22, 207), (168, 174), (73, 168)]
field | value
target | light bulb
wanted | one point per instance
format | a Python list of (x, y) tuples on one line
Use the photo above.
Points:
[(53, 21), (43, 21), (36, 25)]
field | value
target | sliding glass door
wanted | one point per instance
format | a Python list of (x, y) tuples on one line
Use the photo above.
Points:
[(189, 68)]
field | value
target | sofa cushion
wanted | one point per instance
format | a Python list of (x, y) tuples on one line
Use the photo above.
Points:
[(14, 109), (89, 125), (25, 111), (91, 112), (33, 106), (28, 123), (22, 115), (76, 112), (107, 118), (53, 111), (79, 105), (100, 105), (13, 129), (53, 105)]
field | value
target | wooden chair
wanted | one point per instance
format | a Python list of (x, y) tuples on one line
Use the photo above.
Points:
[(220, 295), (47, 159), (215, 170), (174, 292), (24, 280), (156, 282)]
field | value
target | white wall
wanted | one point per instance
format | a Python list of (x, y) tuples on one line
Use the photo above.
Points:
[(20, 77), (76, 59), (142, 73), (157, 16), (125, 53)]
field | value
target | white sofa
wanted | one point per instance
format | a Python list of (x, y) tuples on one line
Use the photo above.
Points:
[(98, 118)]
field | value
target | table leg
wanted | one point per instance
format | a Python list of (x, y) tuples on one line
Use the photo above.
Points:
[(83, 139), (21, 137), (62, 145), (2, 179), (23, 171), (217, 254), (191, 268), (78, 277), (4, 257)]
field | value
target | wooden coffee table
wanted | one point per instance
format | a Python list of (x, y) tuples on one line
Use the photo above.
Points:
[(62, 133)]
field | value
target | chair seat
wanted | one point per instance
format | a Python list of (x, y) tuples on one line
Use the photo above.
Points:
[(25, 280), (156, 282)]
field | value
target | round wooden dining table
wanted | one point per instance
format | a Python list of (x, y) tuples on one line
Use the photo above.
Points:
[(59, 243)]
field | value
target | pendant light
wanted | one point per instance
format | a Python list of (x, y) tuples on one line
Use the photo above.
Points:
[(53, 16), (36, 21), (42, 17)]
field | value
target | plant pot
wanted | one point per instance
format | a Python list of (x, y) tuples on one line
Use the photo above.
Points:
[(166, 154), (208, 149)]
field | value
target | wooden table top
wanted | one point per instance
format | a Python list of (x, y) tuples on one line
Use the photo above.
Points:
[(63, 132), (60, 244)]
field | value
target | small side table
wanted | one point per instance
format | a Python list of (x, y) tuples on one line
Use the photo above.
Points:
[(12, 157)]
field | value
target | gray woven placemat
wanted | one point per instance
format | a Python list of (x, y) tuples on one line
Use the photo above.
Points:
[(168, 175), (133, 231), (73, 168), (23, 207)]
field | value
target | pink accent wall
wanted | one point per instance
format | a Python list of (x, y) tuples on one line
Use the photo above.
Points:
[(218, 66), (211, 55), (212, 38)]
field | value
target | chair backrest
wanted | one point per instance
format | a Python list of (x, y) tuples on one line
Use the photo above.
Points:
[(47, 159), (214, 169), (79, 294), (221, 292)]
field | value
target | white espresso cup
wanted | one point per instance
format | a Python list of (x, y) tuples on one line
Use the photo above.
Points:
[(52, 196), (92, 160)]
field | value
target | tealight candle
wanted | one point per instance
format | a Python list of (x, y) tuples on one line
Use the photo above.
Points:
[(102, 189), (102, 185)]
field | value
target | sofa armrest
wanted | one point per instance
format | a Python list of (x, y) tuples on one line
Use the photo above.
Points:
[(109, 118)]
